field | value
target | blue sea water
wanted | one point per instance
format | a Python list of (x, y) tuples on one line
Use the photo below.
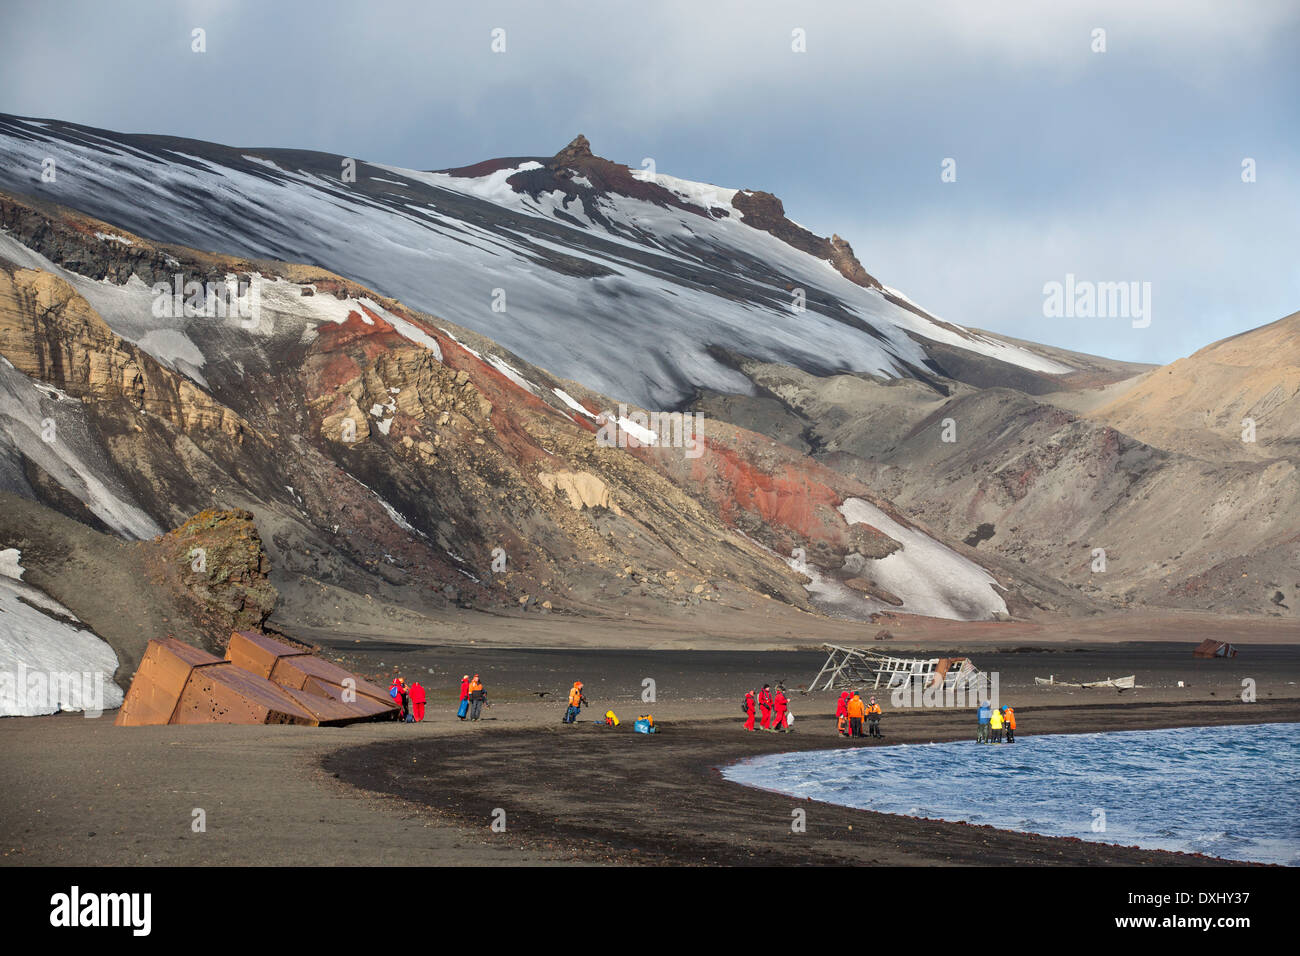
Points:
[(1231, 792)]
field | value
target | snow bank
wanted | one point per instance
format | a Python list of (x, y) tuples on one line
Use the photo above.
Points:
[(49, 661), (931, 578)]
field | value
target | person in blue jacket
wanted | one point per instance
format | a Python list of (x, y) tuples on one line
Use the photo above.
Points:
[(985, 713)]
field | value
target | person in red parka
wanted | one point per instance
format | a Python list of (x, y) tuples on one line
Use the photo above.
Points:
[(779, 708), (749, 710), (464, 696), (765, 705), (417, 700), (398, 691)]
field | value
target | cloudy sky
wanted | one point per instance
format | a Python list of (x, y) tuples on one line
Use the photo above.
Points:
[(1122, 165)]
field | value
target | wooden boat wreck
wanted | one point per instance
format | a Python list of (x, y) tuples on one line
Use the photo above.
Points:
[(1122, 683), (852, 667)]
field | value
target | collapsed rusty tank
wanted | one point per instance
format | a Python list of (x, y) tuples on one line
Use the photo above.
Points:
[(260, 681)]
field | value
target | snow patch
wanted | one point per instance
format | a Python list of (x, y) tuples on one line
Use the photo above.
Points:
[(48, 660), (492, 187), (10, 563), (506, 369), (930, 577), (572, 402)]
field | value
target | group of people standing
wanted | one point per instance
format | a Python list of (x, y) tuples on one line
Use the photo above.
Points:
[(771, 707), (994, 722), (850, 713), (410, 700), (472, 698)]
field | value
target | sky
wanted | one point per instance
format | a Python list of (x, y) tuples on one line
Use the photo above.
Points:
[(1122, 164)]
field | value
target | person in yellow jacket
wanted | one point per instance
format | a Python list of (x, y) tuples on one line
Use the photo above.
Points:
[(995, 726), (1009, 720)]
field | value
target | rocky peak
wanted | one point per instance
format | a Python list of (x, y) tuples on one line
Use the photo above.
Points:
[(764, 211), (579, 148), (847, 263)]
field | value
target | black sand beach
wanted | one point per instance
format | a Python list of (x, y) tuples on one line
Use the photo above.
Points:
[(611, 794)]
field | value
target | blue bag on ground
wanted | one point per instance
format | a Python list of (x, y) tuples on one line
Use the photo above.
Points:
[(644, 726), (464, 709)]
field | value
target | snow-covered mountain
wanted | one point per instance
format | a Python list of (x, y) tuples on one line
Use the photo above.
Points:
[(420, 394), (385, 450), (643, 287)]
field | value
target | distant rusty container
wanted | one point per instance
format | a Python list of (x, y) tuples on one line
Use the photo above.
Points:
[(1211, 648)]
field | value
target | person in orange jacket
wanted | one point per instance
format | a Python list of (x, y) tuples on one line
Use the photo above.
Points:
[(780, 706), (855, 709), (873, 713), (477, 696), (765, 706), (1009, 722), (749, 710), (576, 701)]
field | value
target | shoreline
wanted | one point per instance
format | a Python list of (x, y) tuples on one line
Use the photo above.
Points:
[(672, 804), (423, 794), (725, 769)]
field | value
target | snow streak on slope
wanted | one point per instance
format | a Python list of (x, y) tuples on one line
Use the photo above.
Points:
[(45, 426), (627, 296), (931, 579)]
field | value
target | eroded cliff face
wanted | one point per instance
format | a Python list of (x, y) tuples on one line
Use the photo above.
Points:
[(381, 449), (50, 333), (519, 491), (370, 455)]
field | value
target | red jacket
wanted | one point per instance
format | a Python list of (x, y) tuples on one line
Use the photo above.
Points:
[(765, 699), (464, 689), (781, 702), (417, 693), (842, 707)]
